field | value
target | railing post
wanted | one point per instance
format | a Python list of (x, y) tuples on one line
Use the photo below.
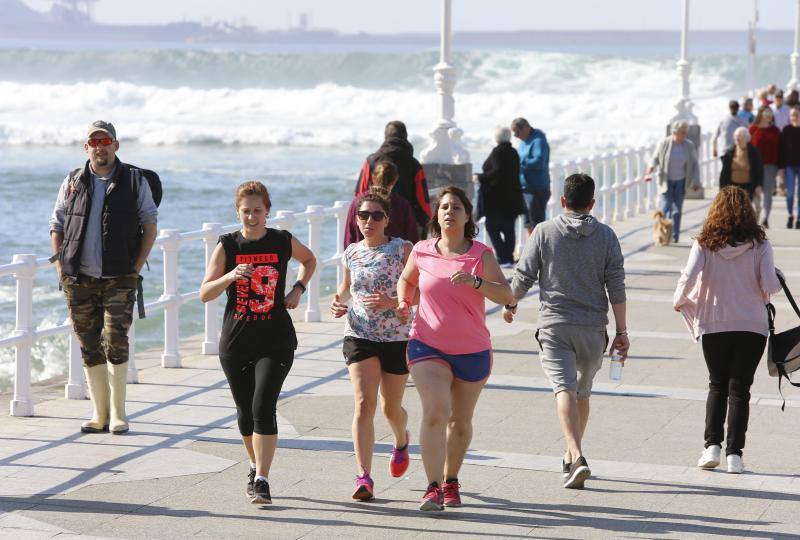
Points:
[(314, 229), (630, 185), (641, 186), (593, 174), (550, 208), (76, 385), (22, 404), (211, 336), (619, 186), (172, 356), (341, 221), (604, 188), (133, 373)]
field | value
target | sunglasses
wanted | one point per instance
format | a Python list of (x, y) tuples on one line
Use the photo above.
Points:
[(94, 143), (377, 215)]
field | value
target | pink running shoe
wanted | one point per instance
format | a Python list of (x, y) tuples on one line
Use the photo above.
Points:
[(363, 490), (432, 500), (398, 464), (451, 495)]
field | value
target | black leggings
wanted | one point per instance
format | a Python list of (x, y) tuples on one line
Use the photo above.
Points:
[(256, 385), (732, 358)]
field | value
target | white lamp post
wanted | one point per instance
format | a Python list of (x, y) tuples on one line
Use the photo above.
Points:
[(684, 104), (445, 145), (751, 51), (795, 58)]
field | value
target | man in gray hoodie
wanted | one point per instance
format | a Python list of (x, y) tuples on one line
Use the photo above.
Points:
[(579, 266)]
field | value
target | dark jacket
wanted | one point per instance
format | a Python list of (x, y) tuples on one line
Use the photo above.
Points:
[(401, 221), (756, 167), (120, 223), (789, 150), (411, 183), (500, 192)]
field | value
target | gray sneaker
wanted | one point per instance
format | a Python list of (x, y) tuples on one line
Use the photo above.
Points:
[(579, 472)]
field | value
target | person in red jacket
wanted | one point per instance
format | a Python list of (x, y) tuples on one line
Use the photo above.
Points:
[(401, 224), (766, 137), (412, 184)]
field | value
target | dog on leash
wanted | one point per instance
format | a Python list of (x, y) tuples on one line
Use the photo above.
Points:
[(662, 229)]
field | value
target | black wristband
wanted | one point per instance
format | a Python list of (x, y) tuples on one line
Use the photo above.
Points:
[(478, 281), (299, 283), (509, 306)]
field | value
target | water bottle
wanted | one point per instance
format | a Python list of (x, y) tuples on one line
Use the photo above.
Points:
[(615, 373)]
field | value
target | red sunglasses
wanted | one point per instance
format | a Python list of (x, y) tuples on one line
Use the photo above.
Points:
[(94, 143)]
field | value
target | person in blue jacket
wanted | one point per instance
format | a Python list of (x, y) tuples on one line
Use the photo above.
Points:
[(534, 170)]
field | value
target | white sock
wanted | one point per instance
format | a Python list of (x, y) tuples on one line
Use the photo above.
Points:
[(264, 478), (252, 465)]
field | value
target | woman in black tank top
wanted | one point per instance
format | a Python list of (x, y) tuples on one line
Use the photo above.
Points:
[(258, 340)]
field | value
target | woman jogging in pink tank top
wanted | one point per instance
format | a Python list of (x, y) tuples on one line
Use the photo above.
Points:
[(449, 349)]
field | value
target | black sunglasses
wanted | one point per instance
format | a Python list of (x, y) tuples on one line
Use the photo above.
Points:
[(377, 215)]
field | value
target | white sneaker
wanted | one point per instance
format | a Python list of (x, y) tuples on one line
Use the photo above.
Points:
[(709, 459), (735, 464)]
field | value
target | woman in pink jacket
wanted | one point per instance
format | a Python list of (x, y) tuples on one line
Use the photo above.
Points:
[(721, 294)]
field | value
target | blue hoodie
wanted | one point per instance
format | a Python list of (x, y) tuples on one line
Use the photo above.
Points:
[(534, 162)]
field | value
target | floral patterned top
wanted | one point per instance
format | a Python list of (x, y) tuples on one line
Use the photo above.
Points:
[(374, 270)]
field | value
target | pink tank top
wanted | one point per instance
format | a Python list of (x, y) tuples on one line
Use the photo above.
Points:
[(450, 318)]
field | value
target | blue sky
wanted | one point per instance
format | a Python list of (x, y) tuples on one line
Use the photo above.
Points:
[(385, 16)]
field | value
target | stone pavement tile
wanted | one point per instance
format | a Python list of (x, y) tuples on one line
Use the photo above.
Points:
[(76, 519), (779, 520)]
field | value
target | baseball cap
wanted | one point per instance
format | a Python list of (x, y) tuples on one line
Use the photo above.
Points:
[(101, 125)]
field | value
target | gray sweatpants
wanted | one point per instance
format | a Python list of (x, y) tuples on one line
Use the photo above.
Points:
[(571, 356)]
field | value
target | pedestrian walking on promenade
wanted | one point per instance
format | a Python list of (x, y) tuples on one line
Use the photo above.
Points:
[(789, 162), (746, 112), (374, 337), (676, 167), (579, 266), (257, 344), (793, 100), (780, 111), (766, 138), (741, 165), (401, 223), (411, 184), (102, 229), (728, 126), (722, 294), (500, 197), (534, 171), (450, 349)]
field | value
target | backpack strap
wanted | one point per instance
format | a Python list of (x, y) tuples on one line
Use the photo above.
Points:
[(788, 294)]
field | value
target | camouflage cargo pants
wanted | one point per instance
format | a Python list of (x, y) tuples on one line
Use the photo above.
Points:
[(101, 310)]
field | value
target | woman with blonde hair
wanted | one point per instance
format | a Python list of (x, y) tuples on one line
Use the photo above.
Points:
[(722, 294), (257, 344)]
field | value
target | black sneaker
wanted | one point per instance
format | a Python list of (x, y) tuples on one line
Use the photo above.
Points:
[(579, 472), (765, 224), (790, 222), (261, 493), (565, 468), (797, 223), (251, 480)]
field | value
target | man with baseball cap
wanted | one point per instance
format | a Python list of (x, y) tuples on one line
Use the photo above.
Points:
[(102, 229)]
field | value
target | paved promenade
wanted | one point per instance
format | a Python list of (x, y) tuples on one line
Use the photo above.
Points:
[(181, 471)]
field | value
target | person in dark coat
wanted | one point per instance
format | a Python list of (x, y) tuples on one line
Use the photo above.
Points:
[(412, 184), (742, 166), (402, 223), (500, 196)]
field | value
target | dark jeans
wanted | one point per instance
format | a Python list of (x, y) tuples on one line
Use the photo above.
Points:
[(672, 204), (501, 232), (732, 358), (536, 206)]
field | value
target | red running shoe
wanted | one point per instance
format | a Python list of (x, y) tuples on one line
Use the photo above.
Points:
[(363, 488), (398, 464), (451, 495), (432, 500)]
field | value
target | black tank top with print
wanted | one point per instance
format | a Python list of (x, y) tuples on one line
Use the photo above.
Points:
[(255, 317)]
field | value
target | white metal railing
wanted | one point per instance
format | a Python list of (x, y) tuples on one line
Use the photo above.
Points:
[(622, 193)]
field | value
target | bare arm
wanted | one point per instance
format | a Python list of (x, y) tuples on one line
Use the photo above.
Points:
[(308, 263), (407, 289), (216, 280), (620, 343), (492, 285), (56, 239), (339, 302), (148, 238)]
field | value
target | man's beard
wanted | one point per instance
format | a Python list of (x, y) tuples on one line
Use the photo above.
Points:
[(101, 161)]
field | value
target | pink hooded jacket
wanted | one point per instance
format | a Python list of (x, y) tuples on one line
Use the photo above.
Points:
[(726, 290)]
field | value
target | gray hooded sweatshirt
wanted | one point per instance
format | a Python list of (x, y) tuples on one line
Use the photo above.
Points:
[(576, 260)]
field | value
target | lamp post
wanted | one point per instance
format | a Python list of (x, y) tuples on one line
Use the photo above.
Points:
[(795, 58), (445, 145), (751, 51), (684, 105)]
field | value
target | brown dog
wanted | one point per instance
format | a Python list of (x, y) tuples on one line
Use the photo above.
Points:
[(662, 229)]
